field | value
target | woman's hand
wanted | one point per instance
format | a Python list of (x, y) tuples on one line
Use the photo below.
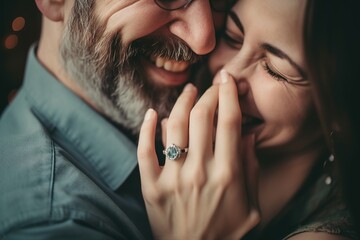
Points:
[(211, 191)]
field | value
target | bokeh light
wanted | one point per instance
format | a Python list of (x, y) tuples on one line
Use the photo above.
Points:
[(18, 24), (11, 41)]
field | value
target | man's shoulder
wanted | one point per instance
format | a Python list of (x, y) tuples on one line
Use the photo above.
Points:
[(41, 186), (25, 173)]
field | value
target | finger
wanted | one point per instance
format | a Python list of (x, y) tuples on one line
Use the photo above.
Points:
[(251, 169), (228, 132), (147, 159), (217, 79), (177, 131), (163, 131), (202, 125)]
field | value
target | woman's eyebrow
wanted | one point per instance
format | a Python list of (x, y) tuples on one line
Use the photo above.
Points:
[(277, 52), (237, 21), (268, 47)]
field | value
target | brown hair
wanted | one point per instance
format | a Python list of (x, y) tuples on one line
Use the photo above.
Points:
[(332, 49)]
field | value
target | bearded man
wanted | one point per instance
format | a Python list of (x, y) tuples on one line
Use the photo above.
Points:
[(68, 140)]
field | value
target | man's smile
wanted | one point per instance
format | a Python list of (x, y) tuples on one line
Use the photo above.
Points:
[(170, 65), (166, 72)]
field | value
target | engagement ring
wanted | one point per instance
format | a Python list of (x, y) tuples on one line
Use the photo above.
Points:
[(173, 152)]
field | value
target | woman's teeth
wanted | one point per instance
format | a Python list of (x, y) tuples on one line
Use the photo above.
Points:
[(170, 65)]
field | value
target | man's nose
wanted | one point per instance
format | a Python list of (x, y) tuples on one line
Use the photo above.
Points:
[(195, 26)]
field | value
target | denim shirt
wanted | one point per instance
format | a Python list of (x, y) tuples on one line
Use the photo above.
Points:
[(65, 171)]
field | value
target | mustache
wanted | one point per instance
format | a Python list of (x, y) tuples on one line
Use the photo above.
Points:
[(168, 48)]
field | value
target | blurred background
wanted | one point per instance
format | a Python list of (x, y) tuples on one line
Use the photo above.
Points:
[(20, 23)]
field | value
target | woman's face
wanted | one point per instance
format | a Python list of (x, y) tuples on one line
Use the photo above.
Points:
[(262, 49)]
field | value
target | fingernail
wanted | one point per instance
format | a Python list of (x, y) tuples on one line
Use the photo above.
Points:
[(188, 87), (148, 114), (224, 76), (216, 79), (163, 122)]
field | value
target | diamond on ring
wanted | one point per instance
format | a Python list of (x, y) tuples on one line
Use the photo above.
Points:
[(174, 152)]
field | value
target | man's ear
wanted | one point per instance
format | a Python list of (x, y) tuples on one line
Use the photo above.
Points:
[(52, 9)]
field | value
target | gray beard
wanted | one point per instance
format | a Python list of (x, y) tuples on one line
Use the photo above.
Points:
[(111, 74)]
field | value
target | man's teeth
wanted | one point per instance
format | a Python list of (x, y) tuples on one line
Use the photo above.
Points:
[(170, 65)]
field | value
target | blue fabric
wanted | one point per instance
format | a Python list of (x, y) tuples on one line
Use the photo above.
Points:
[(64, 169)]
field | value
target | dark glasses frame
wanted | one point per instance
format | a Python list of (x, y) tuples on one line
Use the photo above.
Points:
[(216, 5)]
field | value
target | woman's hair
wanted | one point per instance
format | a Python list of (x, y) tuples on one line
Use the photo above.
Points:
[(332, 49)]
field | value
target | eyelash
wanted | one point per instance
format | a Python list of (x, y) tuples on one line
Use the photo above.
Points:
[(231, 41), (234, 43), (273, 74)]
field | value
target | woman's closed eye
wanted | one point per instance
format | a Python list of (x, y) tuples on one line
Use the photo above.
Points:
[(232, 40), (268, 67), (276, 74)]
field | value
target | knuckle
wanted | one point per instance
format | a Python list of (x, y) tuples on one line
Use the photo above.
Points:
[(195, 178), (228, 91), (200, 113), (173, 186), (175, 124), (152, 195), (226, 176), (232, 119)]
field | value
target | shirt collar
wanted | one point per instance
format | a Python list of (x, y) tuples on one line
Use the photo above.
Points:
[(107, 150)]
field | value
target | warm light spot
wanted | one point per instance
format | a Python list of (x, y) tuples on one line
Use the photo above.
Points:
[(18, 24), (11, 41)]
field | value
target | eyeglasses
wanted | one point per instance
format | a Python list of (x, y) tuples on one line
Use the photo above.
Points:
[(216, 5)]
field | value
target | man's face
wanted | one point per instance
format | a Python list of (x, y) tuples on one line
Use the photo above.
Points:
[(129, 55)]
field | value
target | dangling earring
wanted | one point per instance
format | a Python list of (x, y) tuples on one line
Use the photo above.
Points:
[(328, 163)]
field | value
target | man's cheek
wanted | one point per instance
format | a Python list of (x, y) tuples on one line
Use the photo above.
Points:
[(136, 26)]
